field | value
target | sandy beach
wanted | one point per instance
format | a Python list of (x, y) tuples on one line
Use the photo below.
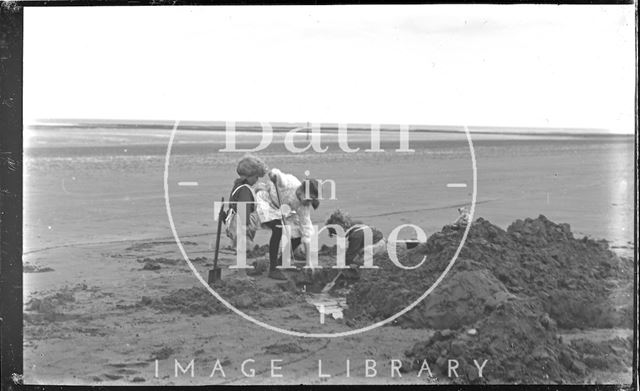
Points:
[(101, 260)]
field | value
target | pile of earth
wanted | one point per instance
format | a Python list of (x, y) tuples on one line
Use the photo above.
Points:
[(519, 342), (54, 307), (48, 308), (503, 300), (535, 258), (242, 294)]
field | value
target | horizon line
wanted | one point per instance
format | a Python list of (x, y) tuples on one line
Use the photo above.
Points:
[(284, 126)]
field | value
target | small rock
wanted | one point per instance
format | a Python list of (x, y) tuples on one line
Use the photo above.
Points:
[(472, 331), (138, 379)]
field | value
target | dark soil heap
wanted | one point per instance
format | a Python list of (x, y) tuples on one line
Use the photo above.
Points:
[(503, 301), (517, 339), (534, 258), (520, 344)]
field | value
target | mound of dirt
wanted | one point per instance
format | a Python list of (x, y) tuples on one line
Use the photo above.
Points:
[(240, 293), (462, 299), (518, 341), (50, 308), (534, 258)]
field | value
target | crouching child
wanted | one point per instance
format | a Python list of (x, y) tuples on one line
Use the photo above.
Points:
[(356, 238)]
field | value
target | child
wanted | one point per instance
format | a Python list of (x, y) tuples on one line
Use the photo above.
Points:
[(285, 197), (462, 220), (250, 169), (355, 238)]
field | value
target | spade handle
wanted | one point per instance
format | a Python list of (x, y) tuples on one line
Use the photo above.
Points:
[(215, 257)]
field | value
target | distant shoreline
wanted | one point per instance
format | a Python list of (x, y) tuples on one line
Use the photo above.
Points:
[(282, 127)]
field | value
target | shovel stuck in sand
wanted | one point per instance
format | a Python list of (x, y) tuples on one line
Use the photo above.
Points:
[(331, 283), (215, 274)]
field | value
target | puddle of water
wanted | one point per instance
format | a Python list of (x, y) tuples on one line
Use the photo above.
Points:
[(327, 304)]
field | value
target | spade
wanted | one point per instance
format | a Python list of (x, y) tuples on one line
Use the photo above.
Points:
[(215, 274)]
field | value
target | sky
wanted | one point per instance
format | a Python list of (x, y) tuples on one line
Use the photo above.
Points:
[(484, 65)]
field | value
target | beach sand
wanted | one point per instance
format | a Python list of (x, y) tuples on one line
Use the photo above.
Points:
[(95, 209)]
